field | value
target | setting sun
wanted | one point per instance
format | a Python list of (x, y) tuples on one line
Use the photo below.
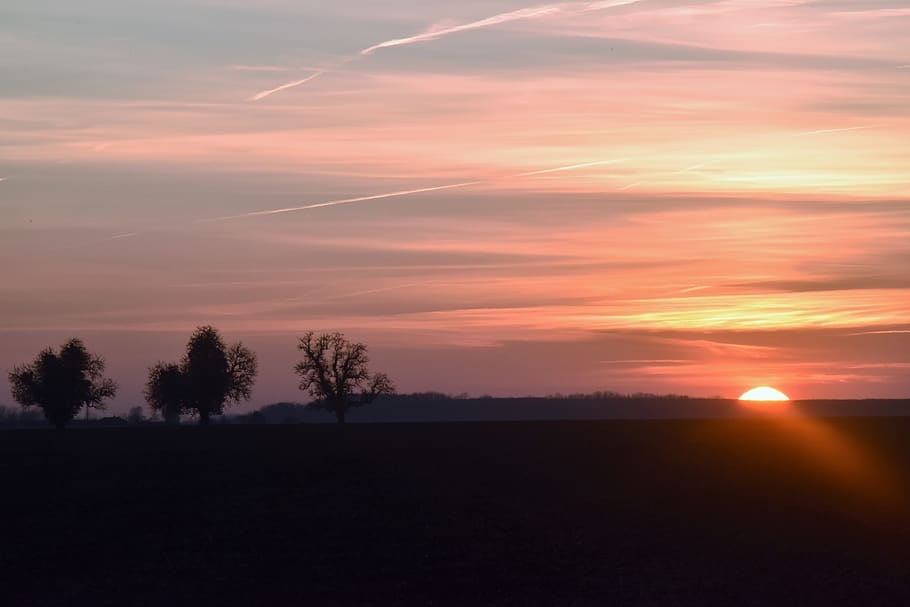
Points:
[(764, 393)]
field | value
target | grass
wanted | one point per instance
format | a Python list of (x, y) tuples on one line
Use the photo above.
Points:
[(678, 512)]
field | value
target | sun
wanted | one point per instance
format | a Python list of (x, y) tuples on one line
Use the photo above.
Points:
[(764, 393)]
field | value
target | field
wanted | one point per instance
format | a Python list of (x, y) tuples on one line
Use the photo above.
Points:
[(685, 512)]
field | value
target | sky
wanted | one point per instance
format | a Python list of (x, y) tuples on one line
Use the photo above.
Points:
[(497, 197)]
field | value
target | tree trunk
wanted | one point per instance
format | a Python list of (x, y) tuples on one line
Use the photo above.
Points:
[(339, 414), (203, 418)]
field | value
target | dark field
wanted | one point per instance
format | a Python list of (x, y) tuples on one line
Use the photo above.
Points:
[(732, 512)]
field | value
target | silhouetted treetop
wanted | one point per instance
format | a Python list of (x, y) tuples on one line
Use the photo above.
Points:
[(216, 374), (334, 371), (210, 375), (61, 384), (165, 391)]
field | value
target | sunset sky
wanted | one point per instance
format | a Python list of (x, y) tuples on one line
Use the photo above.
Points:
[(653, 195)]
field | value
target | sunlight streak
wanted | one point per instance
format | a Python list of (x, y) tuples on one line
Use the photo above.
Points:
[(844, 460)]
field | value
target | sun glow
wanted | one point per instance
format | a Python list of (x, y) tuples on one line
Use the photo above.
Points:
[(764, 393)]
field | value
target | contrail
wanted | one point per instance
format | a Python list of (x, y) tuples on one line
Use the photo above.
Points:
[(696, 288), (396, 194), (521, 14), (571, 8), (571, 167), (823, 131), (688, 169), (332, 203), (258, 68), (379, 290), (289, 85), (629, 186), (547, 10), (695, 167)]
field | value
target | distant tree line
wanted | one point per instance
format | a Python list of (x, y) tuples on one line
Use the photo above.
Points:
[(210, 376), (609, 395), (13, 418)]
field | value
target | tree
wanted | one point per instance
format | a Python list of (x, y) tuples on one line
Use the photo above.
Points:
[(209, 376), (334, 371), (164, 391), (135, 416), (61, 384)]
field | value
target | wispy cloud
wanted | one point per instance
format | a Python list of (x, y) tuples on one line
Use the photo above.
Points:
[(523, 14), (874, 13)]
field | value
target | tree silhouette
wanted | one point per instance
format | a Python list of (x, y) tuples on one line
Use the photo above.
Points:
[(334, 371), (165, 392), (136, 415), (61, 384), (209, 376)]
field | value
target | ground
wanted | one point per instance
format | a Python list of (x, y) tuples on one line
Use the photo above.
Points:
[(727, 512)]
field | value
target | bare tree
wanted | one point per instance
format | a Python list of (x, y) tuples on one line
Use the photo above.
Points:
[(334, 371)]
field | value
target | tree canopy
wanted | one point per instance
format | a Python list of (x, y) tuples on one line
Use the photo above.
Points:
[(164, 391), (210, 376), (334, 371), (62, 383)]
